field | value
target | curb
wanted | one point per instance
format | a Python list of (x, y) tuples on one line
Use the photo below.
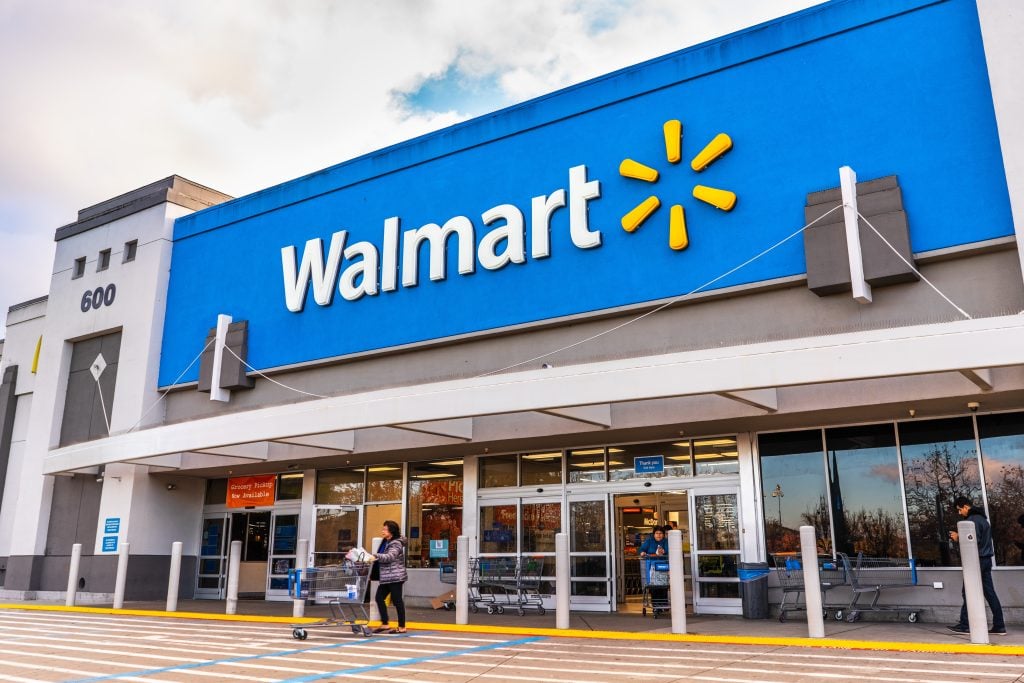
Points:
[(819, 643)]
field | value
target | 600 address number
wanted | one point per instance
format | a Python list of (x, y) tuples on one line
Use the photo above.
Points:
[(99, 297)]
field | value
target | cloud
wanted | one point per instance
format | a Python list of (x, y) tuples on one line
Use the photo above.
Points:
[(106, 96), (887, 472)]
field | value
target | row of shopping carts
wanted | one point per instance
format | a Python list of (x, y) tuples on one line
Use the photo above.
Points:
[(500, 583), (865, 577)]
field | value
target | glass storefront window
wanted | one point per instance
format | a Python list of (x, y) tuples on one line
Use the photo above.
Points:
[(216, 492), (675, 457), (498, 529), (940, 463), (541, 521), (1002, 452), (435, 512), (716, 456), (541, 468), (864, 486), (383, 482), (587, 464), (793, 489), (498, 470), (587, 526), (339, 487), (289, 486)]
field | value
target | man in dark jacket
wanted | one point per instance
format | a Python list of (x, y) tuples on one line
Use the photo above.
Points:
[(986, 549)]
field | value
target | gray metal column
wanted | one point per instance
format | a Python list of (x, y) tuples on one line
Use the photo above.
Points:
[(462, 580), (677, 596)]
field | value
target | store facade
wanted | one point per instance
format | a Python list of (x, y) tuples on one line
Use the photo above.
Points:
[(625, 304)]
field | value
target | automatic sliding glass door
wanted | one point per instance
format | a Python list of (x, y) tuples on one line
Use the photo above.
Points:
[(590, 564)]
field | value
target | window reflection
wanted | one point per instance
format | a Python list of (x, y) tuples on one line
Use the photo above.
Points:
[(940, 463), (716, 456), (1002, 451), (339, 487), (384, 482), (541, 521), (435, 511), (498, 529), (541, 468), (793, 490), (864, 486), (498, 470), (587, 464)]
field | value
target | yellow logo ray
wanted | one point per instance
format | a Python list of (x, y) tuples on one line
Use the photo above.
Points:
[(677, 238), (632, 220), (673, 141), (720, 199), (721, 144), (634, 169)]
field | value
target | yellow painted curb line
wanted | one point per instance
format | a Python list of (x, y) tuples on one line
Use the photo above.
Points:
[(822, 643)]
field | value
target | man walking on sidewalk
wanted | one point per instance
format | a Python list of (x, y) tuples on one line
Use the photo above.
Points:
[(986, 550)]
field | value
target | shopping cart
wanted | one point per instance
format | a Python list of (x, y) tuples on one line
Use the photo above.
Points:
[(528, 580), (789, 570), (448, 575), (654, 577), (342, 587), (873, 575), (493, 583)]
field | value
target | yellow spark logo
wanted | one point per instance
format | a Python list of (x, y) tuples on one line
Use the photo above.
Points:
[(721, 199)]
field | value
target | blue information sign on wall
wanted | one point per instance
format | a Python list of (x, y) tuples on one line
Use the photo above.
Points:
[(649, 464), (439, 549), (112, 525), (110, 544)]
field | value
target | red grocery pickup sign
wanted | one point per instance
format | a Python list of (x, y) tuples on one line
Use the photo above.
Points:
[(251, 491)]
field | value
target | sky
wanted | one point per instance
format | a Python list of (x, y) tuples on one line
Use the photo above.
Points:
[(98, 98)]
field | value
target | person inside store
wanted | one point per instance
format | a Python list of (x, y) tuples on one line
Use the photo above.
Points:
[(655, 545), (389, 570), (986, 549)]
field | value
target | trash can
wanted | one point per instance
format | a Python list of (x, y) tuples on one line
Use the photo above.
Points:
[(754, 589)]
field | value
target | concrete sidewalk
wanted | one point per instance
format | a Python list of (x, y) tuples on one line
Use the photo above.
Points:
[(867, 633)]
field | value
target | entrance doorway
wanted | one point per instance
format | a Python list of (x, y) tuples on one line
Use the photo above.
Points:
[(636, 515), (253, 530)]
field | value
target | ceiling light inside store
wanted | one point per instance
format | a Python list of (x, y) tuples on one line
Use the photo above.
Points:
[(715, 442), (384, 468), (433, 475), (679, 457), (292, 475), (682, 444), (446, 463), (715, 456), (543, 456), (596, 463)]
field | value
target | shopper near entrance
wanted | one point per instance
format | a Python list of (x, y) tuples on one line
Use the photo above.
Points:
[(390, 563), (986, 549), (656, 544)]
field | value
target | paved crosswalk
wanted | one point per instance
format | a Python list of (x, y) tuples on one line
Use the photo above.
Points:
[(90, 648)]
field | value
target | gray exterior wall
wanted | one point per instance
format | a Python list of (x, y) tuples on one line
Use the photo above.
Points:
[(146, 579)]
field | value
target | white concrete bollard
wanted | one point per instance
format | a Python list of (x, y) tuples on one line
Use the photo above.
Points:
[(173, 577), (76, 561), (676, 578), (122, 575), (374, 611), (812, 582), (234, 567), (462, 580), (562, 583), (967, 535), (301, 551)]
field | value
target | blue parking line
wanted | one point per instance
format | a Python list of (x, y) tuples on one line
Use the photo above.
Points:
[(411, 660), (231, 660)]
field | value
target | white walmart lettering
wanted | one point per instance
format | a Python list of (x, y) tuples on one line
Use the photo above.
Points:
[(503, 244)]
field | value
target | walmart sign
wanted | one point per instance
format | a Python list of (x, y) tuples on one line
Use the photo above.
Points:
[(636, 187)]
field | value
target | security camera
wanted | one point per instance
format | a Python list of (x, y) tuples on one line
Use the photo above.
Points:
[(973, 406)]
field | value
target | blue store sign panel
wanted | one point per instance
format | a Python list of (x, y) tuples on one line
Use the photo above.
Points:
[(110, 544), (112, 525), (649, 464), (640, 186)]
